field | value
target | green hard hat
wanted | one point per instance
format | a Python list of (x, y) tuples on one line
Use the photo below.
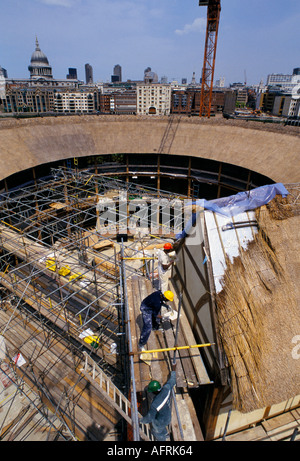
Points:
[(154, 386)]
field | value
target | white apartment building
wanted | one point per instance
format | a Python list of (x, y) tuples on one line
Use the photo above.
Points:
[(285, 81), (294, 110), (75, 102), (153, 99), (288, 105)]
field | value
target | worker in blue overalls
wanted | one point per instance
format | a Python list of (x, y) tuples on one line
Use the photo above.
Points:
[(150, 308), (160, 413)]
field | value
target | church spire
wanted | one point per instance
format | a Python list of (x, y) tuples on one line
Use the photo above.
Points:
[(37, 46)]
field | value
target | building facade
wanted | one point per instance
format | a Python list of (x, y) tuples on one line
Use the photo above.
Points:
[(30, 99), (153, 99), (285, 81), (187, 101), (76, 102)]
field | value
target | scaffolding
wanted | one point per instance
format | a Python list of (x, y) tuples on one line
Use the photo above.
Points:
[(69, 243)]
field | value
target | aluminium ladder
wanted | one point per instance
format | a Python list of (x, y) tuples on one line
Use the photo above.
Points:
[(112, 394)]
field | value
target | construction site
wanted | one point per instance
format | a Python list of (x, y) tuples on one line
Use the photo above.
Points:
[(71, 286), (78, 256)]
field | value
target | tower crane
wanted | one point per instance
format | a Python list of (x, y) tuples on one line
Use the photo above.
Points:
[(213, 16)]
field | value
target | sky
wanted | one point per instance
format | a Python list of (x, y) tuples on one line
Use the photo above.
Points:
[(256, 37)]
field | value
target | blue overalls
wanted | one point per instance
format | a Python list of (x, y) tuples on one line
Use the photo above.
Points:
[(160, 413), (150, 309)]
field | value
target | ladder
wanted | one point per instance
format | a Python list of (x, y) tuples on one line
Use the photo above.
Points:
[(112, 394)]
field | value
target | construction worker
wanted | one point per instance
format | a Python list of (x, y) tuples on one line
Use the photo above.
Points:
[(165, 262), (160, 413), (151, 313)]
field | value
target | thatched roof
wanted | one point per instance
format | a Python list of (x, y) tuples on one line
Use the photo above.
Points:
[(258, 308)]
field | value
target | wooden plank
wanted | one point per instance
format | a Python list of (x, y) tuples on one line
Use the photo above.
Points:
[(131, 294), (145, 374), (280, 427), (190, 374), (169, 334), (277, 421), (296, 414), (155, 369), (283, 432), (199, 368), (185, 419), (252, 434), (22, 425)]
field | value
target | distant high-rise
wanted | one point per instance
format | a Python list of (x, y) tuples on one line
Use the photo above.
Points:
[(220, 83), (88, 73), (117, 74), (72, 75), (183, 81), (149, 76)]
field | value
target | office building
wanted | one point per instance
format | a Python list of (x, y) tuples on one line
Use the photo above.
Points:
[(88, 74), (117, 74), (72, 75)]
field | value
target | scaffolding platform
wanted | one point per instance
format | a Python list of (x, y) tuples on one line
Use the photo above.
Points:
[(63, 282), (188, 375), (53, 373)]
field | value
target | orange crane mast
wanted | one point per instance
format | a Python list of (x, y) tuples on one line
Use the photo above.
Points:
[(213, 17)]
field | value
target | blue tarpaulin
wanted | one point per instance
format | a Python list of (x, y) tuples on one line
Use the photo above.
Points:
[(239, 203)]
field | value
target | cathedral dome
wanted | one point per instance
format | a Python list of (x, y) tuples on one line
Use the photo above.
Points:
[(39, 64), (38, 57)]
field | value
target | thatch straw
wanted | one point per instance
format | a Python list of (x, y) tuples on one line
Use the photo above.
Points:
[(258, 313)]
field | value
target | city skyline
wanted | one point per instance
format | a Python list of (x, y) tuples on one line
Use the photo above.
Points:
[(255, 38)]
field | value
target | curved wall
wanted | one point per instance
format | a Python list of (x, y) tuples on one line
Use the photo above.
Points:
[(270, 150)]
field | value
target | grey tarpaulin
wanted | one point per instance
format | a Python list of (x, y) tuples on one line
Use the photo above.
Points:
[(235, 204)]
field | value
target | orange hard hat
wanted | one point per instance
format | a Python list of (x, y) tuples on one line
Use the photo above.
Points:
[(168, 246)]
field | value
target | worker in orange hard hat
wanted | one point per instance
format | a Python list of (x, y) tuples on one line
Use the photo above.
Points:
[(166, 257)]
